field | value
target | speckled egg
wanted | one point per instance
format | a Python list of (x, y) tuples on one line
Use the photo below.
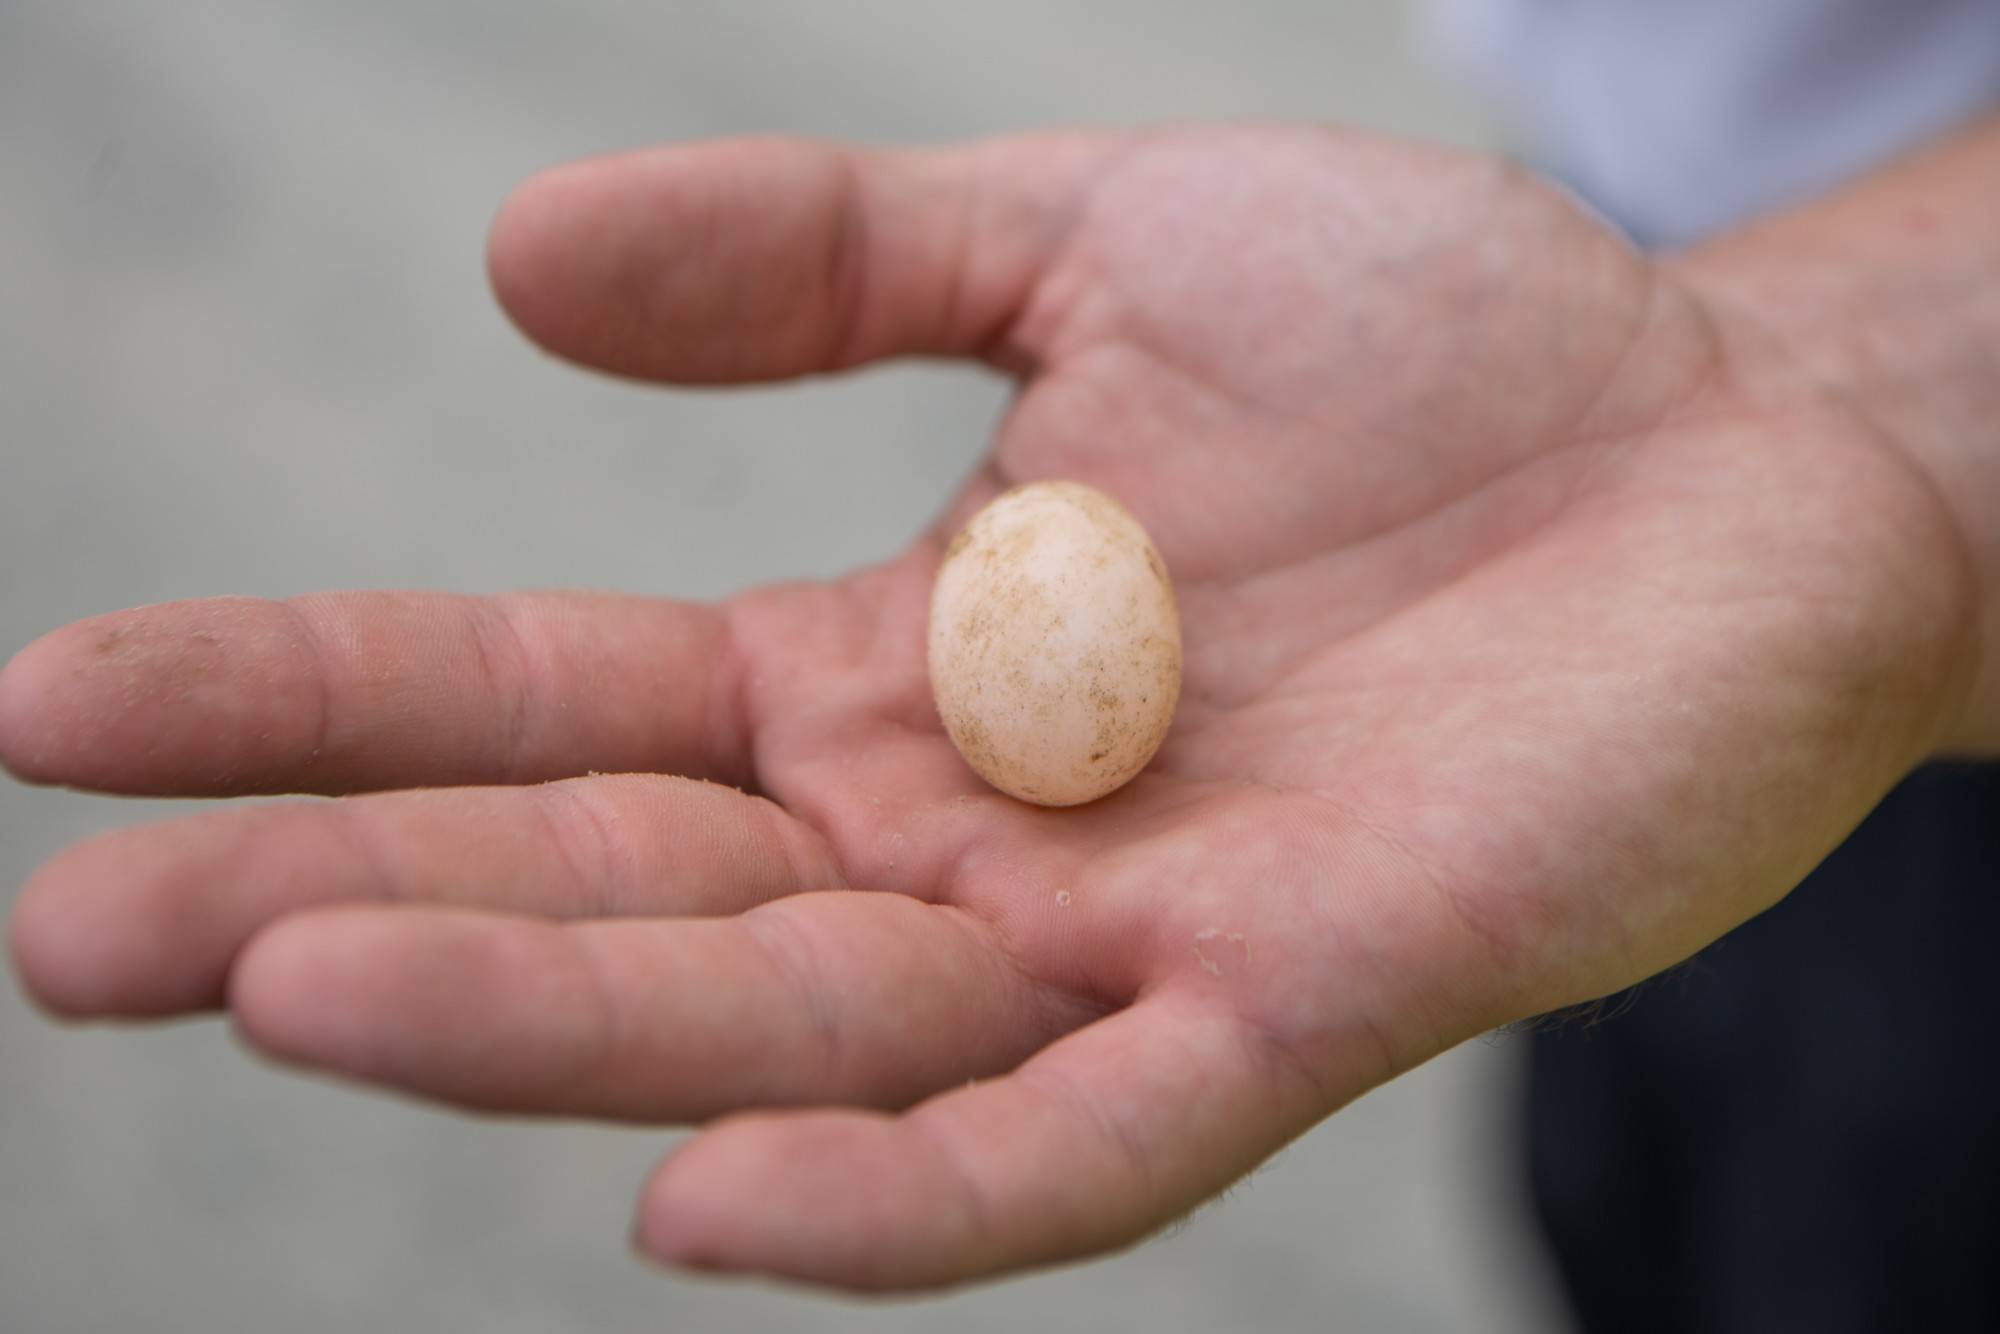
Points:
[(1055, 649)]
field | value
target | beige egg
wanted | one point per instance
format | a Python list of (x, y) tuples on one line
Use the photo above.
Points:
[(1055, 649)]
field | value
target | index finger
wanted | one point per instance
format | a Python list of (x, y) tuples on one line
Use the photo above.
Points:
[(348, 692)]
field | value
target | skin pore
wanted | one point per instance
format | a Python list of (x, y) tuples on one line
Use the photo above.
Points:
[(1548, 611)]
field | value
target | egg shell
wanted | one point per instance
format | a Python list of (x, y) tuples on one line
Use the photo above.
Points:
[(1055, 647)]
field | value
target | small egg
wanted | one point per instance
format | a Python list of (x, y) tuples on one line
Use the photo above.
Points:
[(1055, 649)]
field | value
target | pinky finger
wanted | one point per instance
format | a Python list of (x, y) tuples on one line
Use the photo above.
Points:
[(1101, 1139)]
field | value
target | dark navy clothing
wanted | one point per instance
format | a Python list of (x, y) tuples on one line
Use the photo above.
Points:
[(1799, 1130)]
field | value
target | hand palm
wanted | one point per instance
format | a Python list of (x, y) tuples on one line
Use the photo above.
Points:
[(1519, 641)]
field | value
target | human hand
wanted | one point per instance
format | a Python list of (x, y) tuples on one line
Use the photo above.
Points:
[(1529, 646)]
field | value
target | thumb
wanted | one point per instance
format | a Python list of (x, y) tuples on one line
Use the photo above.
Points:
[(760, 259)]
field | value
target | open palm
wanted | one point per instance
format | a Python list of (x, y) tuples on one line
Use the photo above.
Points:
[(1528, 648)]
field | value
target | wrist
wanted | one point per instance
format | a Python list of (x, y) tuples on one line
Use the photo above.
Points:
[(1883, 305)]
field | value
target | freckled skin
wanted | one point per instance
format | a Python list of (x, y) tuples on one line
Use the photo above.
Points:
[(1055, 598)]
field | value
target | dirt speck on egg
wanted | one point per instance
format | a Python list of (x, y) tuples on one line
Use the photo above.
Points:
[(1055, 647)]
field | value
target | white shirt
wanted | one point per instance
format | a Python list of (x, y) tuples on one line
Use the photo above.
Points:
[(1677, 117)]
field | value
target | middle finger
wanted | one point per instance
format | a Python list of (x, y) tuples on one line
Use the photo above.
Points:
[(145, 922)]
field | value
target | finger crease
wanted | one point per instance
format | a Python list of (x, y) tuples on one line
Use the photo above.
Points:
[(732, 725), (583, 830), (849, 266), (791, 957), (505, 664), (365, 838), (1113, 1131), (980, 1211), (317, 653)]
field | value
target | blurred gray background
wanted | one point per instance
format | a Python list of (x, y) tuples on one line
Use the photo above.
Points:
[(246, 347)]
